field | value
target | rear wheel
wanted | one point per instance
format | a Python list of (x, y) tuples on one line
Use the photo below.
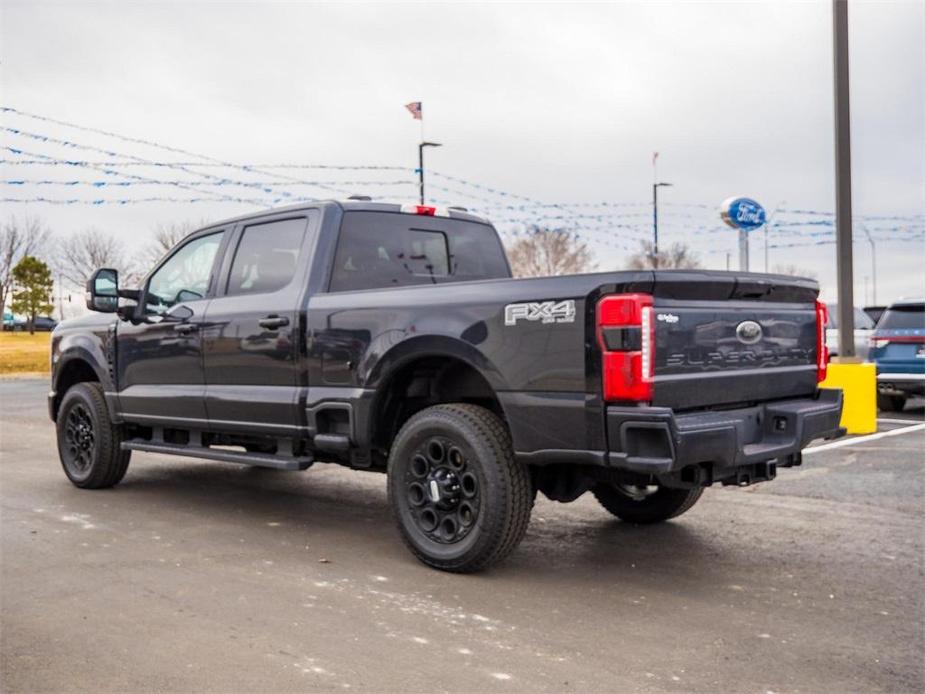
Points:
[(645, 504), (891, 403), (460, 499), (89, 444)]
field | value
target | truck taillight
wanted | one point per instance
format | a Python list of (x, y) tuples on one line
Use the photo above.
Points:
[(822, 352), (626, 334)]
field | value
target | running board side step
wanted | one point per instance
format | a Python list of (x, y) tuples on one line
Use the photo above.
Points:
[(258, 459)]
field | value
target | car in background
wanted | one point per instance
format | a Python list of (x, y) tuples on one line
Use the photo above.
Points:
[(44, 324), (874, 312), (13, 323), (863, 329), (898, 349)]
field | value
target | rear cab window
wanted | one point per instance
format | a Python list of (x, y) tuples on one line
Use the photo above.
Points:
[(376, 250)]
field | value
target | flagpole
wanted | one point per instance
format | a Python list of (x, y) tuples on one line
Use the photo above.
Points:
[(421, 159), (417, 112)]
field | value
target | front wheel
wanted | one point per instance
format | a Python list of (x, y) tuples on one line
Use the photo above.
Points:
[(645, 504), (460, 499), (89, 444)]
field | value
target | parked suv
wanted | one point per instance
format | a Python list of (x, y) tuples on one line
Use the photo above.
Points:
[(392, 338), (898, 348)]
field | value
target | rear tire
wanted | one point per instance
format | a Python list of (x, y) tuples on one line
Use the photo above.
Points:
[(632, 505), (460, 499), (89, 444), (891, 403)]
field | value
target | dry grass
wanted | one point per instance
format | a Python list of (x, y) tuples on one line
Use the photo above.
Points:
[(24, 353)]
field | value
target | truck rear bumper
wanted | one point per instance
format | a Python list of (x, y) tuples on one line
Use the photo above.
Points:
[(723, 445)]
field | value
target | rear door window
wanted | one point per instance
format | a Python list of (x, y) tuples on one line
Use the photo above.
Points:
[(383, 249), (266, 257)]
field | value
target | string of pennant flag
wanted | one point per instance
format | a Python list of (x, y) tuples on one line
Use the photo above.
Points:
[(213, 180)]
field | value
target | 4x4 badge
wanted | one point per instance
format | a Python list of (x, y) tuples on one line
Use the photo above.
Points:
[(543, 311)]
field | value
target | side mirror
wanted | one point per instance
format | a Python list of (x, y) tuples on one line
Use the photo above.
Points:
[(103, 291)]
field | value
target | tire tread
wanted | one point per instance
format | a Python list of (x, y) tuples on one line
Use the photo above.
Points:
[(112, 462), (518, 487)]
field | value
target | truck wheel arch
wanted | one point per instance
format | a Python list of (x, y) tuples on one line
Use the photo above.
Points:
[(71, 371), (421, 379)]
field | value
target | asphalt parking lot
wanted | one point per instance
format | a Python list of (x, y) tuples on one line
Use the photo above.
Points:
[(194, 576)]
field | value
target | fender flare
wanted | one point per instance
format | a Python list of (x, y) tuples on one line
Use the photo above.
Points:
[(400, 355), (425, 346)]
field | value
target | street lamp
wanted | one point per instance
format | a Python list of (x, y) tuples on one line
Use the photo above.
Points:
[(421, 164), (655, 187), (873, 261)]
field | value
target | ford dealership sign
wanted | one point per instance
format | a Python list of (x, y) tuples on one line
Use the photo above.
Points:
[(742, 213)]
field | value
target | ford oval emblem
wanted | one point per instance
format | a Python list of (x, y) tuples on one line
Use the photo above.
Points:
[(743, 213), (748, 332)]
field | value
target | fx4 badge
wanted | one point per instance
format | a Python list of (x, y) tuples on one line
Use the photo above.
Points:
[(543, 311)]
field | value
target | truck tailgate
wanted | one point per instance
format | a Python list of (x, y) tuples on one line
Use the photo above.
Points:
[(741, 339)]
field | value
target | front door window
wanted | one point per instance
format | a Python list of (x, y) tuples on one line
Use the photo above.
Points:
[(185, 276)]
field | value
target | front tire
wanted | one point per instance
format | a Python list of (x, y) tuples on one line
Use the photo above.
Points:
[(460, 499), (644, 505), (89, 444)]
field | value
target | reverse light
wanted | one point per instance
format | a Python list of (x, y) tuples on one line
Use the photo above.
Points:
[(425, 210), (822, 352), (626, 334)]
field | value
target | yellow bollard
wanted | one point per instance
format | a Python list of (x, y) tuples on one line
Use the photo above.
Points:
[(859, 384)]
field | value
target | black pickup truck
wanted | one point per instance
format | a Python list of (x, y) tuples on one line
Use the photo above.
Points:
[(392, 338)]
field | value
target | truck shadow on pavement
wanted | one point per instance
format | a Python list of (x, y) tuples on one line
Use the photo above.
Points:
[(346, 513)]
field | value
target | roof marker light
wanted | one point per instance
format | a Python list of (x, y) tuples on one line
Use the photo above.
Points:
[(425, 210)]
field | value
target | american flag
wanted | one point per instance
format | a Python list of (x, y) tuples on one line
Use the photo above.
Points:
[(415, 108)]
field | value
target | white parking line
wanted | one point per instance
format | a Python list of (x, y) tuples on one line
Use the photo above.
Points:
[(895, 421), (862, 439)]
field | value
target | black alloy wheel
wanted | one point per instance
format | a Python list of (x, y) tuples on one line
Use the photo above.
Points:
[(460, 498)]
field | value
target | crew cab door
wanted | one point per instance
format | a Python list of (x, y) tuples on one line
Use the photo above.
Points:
[(159, 354), (252, 342)]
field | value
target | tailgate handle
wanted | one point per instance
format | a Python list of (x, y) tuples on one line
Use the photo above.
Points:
[(273, 322)]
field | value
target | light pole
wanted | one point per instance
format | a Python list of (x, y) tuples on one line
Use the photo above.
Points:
[(873, 263), (655, 187), (843, 250), (766, 222), (421, 165)]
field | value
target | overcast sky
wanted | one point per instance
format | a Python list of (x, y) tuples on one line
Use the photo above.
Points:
[(557, 102)]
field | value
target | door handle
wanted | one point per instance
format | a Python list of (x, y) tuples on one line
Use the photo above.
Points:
[(273, 322), (186, 328)]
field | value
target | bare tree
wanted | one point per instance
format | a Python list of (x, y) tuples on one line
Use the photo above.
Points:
[(166, 236), (19, 238), (794, 270), (82, 253), (547, 252), (677, 255)]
